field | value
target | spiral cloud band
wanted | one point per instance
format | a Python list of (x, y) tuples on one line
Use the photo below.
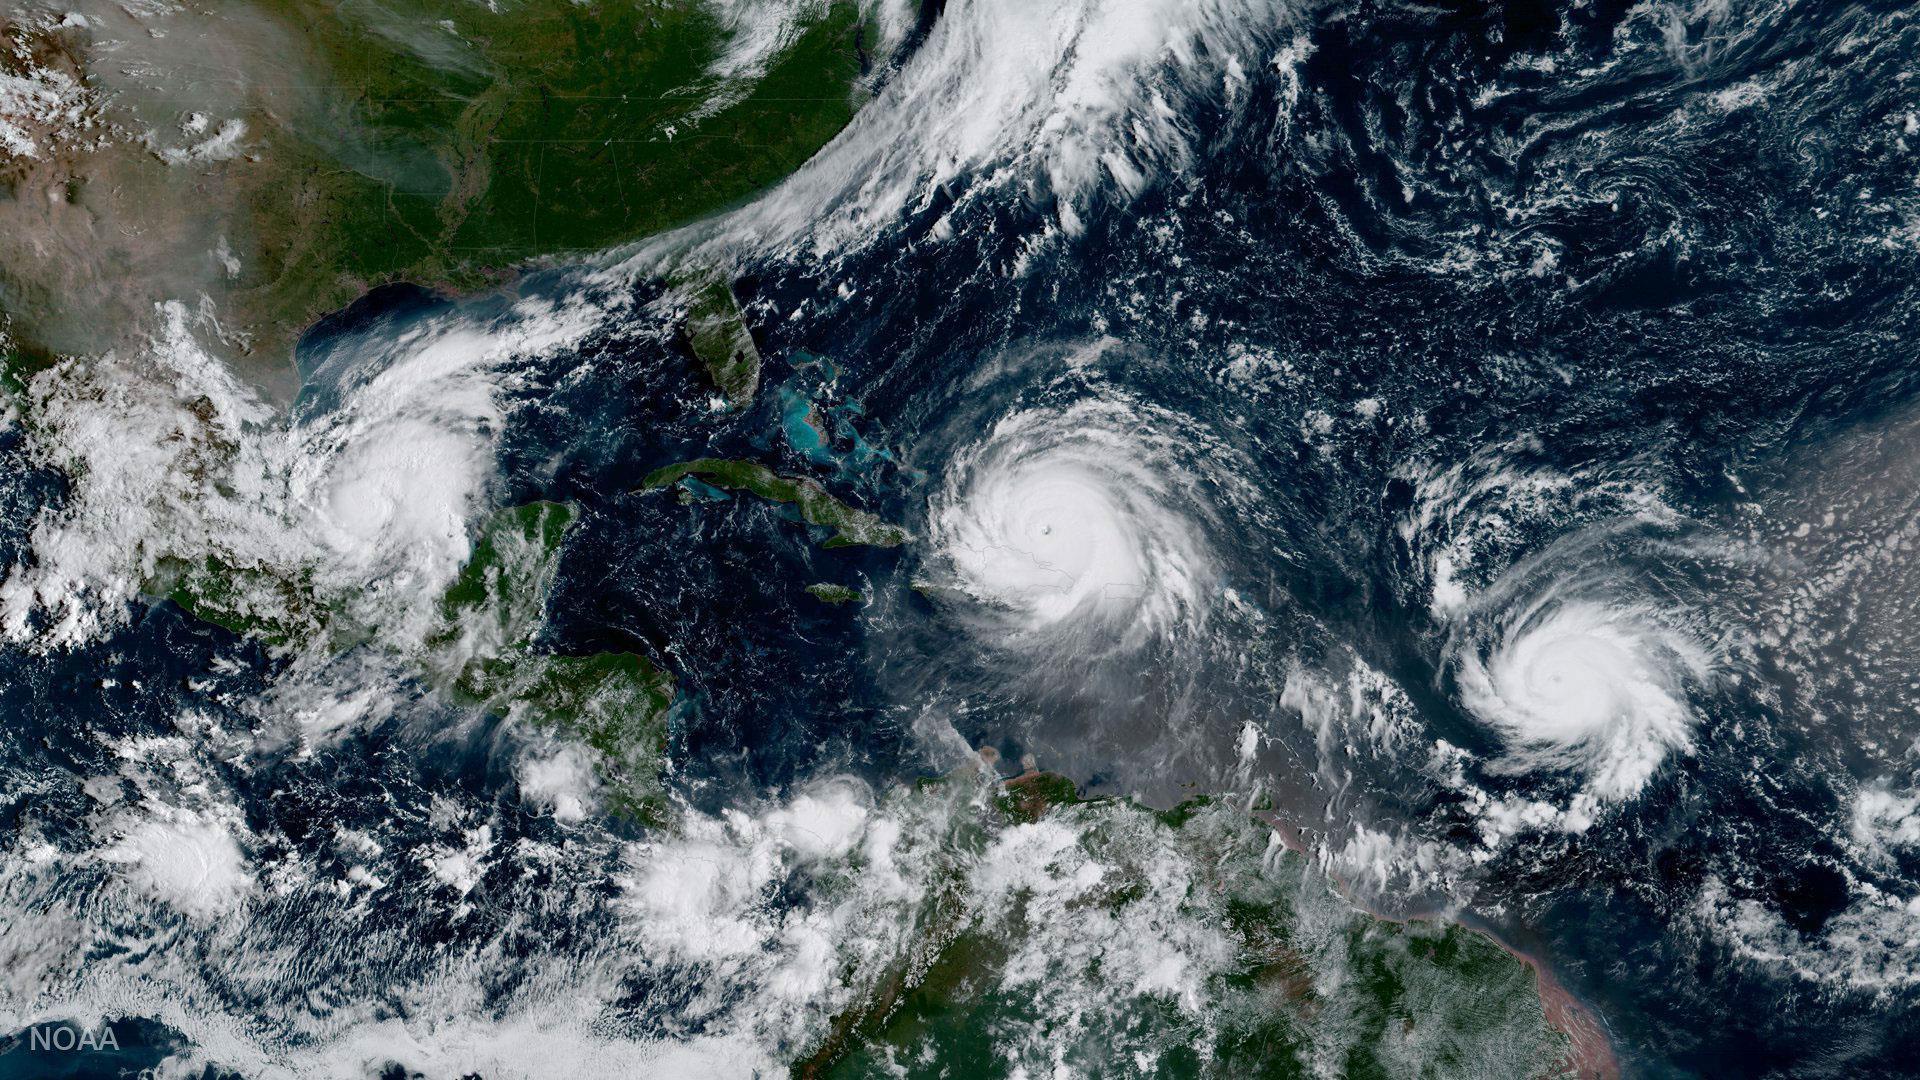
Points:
[(1578, 683), (1076, 519)]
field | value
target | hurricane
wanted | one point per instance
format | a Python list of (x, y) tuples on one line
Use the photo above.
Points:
[(1580, 684), (1080, 522), (1097, 538)]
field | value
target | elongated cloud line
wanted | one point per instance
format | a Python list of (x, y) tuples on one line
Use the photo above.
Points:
[(1061, 100)]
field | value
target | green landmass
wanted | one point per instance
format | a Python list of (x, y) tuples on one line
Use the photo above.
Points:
[(1027, 798), (439, 142), (492, 134), (829, 593), (489, 134), (486, 654), (614, 703), (718, 336), (1314, 987), (508, 574), (255, 602), (816, 506)]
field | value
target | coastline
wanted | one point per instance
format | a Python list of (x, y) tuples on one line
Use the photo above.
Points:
[(1591, 1055)]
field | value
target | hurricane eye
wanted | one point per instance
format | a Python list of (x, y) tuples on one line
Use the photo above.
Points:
[(1074, 518), (1591, 685)]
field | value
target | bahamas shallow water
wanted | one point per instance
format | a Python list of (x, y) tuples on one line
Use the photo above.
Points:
[(1486, 436), (1531, 386)]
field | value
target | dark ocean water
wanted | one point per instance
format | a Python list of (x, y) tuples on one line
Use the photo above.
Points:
[(1601, 303), (1642, 250)]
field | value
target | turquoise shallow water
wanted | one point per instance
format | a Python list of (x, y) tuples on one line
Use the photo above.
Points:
[(1485, 444)]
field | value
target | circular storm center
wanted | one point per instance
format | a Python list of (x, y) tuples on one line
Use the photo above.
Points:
[(1073, 517), (1576, 683), (1590, 685)]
